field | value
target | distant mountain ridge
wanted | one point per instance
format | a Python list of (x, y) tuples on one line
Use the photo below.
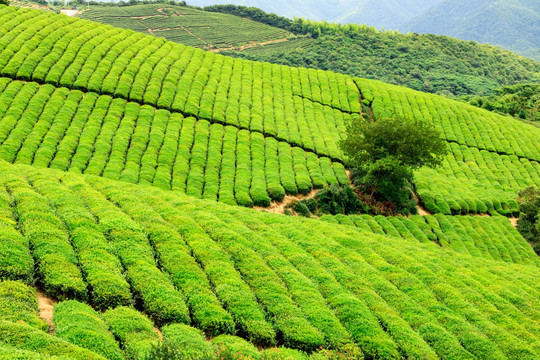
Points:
[(511, 24), (388, 14)]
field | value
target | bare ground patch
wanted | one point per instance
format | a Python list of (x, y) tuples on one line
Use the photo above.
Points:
[(46, 308)]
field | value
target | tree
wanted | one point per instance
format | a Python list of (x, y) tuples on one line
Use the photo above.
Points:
[(4, 2), (529, 217), (384, 153)]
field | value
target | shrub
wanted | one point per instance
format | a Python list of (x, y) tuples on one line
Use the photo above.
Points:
[(81, 325), (25, 337), (188, 342), (529, 218), (133, 329), (332, 200), (18, 303)]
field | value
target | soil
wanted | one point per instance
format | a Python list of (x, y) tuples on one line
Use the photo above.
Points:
[(46, 307), (156, 330), (421, 210), (279, 207), (514, 222), (248, 46)]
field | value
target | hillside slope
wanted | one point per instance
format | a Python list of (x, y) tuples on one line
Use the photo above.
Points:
[(436, 64), (186, 25), (237, 129), (273, 279), (104, 135), (511, 24)]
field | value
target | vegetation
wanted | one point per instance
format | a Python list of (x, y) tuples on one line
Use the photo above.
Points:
[(490, 155), (155, 156), (424, 62), (512, 25), (463, 234), (83, 105), (18, 304), (331, 200), (520, 101), (81, 325), (529, 218), (186, 25), (384, 153), (288, 284)]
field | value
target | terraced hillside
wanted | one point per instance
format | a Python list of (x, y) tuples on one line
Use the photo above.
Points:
[(464, 234), (187, 25), (269, 278), (99, 124), (122, 88)]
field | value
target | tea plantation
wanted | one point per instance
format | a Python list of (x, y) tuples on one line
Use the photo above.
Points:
[(123, 158)]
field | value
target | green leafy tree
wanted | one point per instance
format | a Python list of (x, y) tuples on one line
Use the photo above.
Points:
[(529, 217), (4, 2), (384, 153)]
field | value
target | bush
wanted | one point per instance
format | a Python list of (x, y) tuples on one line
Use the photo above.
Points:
[(336, 200), (18, 303), (187, 342), (529, 217), (233, 347), (134, 330), (81, 325), (25, 337)]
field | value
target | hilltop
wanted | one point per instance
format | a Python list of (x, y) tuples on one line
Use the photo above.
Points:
[(124, 157)]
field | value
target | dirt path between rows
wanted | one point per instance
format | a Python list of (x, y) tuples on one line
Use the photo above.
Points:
[(514, 222), (160, 334), (46, 308), (279, 207), (248, 46)]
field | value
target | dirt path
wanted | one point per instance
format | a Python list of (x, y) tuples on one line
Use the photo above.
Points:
[(160, 334), (248, 46), (46, 307), (421, 210), (279, 207), (514, 222)]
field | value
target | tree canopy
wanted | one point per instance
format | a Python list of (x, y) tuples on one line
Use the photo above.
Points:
[(384, 153), (529, 219)]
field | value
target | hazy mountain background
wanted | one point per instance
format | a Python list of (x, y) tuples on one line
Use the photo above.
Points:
[(388, 14), (510, 24)]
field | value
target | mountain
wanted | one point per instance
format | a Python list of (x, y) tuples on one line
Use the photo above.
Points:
[(388, 14), (511, 24)]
